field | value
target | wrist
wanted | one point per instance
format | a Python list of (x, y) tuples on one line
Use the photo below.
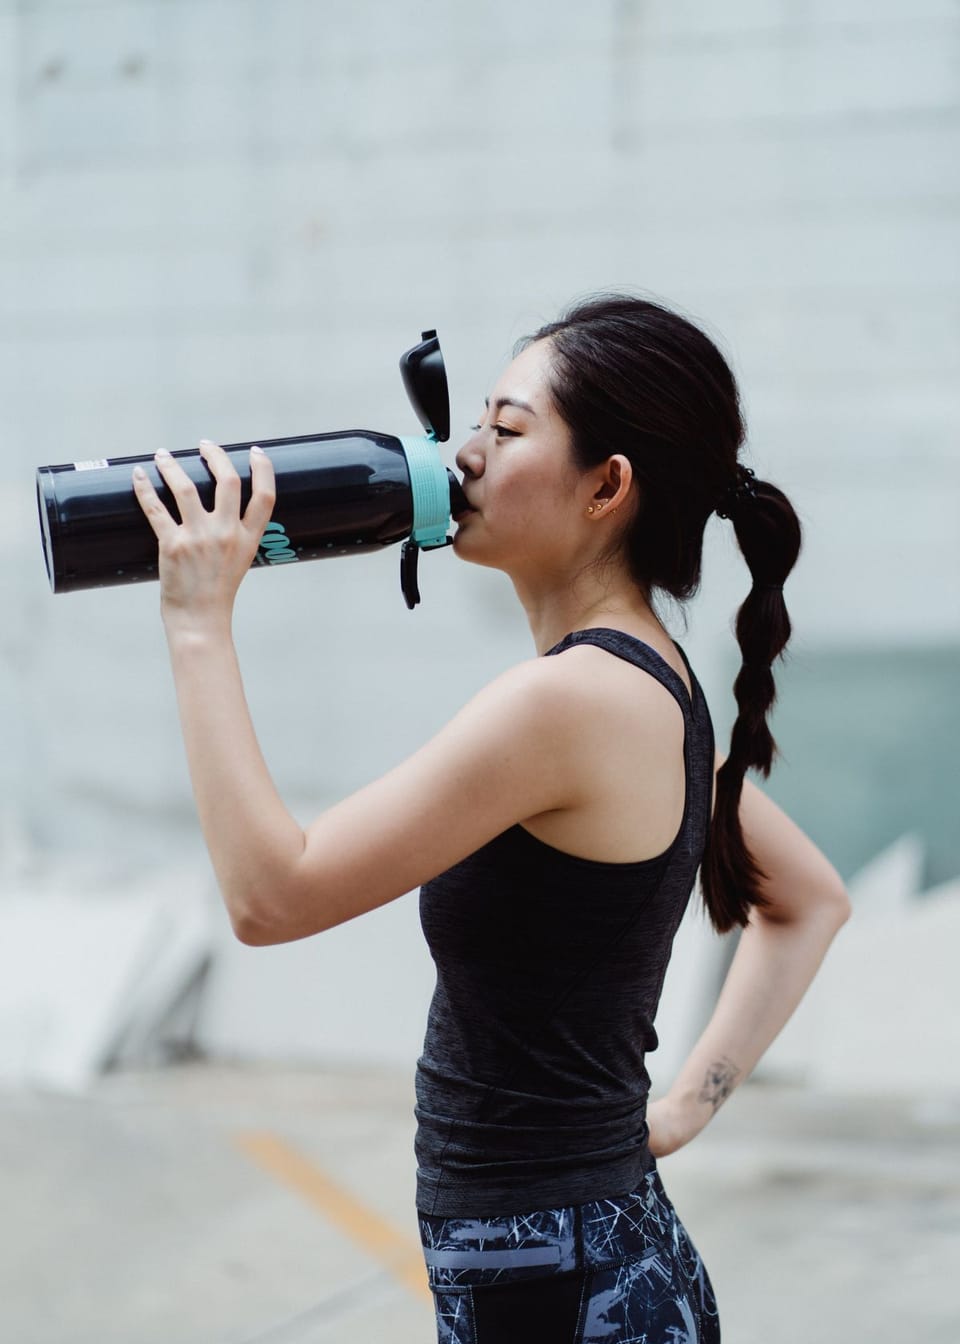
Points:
[(688, 1114), (672, 1123), (698, 1095), (191, 630)]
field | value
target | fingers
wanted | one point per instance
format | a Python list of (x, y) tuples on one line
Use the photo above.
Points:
[(263, 492), (180, 486), (226, 499), (155, 511)]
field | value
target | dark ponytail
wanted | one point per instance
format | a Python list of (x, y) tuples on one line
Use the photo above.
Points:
[(632, 377), (769, 535)]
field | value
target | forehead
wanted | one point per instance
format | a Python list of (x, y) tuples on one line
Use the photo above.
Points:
[(527, 378)]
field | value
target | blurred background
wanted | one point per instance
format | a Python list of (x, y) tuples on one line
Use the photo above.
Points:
[(226, 219)]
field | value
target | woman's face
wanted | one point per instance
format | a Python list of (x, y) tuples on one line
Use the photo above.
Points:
[(518, 475)]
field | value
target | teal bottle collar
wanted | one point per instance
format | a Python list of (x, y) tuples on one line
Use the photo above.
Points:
[(431, 491)]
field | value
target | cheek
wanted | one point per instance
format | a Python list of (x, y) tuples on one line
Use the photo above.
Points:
[(527, 498)]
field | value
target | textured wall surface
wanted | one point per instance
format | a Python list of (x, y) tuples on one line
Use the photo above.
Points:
[(227, 220)]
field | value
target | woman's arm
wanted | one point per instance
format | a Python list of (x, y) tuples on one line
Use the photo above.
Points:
[(509, 755), (499, 760), (778, 954)]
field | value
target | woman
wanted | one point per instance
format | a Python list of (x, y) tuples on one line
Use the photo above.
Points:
[(555, 826)]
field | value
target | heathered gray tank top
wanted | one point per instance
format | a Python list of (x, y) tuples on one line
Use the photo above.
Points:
[(532, 1089)]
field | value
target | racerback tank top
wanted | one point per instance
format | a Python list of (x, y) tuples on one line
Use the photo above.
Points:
[(532, 1088)]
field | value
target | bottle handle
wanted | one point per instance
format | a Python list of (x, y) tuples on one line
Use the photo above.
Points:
[(409, 555)]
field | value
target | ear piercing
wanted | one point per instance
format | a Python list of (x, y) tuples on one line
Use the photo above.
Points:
[(597, 507)]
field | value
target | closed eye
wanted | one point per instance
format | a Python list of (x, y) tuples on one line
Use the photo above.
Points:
[(500, 430)]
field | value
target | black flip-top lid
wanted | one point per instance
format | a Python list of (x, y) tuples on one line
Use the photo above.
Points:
[(425, 379)]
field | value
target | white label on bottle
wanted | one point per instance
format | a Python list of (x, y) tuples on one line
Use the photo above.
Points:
[(94, 465)]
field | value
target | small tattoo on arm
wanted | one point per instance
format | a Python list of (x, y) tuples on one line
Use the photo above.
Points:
[(719, 1082)]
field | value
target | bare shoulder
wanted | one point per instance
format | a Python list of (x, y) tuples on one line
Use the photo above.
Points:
[(537, 693), (618, 748), (560, 707), (600, 687), (583, 677)]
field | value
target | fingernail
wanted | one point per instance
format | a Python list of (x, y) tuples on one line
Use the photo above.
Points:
[(139, 474), (257, 449), (206, 443), (161, 452)]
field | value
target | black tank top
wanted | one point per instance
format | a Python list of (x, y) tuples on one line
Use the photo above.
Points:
[(532, 1090)]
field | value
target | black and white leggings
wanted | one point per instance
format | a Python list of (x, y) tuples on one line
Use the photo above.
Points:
[(615, 1271)]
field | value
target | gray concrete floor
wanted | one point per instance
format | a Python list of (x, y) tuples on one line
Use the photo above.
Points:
[(144, 1213)]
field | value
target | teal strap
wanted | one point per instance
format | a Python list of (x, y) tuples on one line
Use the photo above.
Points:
[(431, 491)]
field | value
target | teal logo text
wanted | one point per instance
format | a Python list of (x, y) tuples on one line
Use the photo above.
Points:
[(275, 548)]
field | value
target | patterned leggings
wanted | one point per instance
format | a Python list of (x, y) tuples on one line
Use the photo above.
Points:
[(615, 1271)]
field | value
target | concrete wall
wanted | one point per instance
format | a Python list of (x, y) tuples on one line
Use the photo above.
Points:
[(227, 219)]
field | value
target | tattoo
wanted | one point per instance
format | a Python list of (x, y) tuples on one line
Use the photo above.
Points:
[(719, 1082)]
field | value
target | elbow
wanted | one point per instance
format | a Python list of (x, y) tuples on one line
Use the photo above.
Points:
[(282, 919), (826, 906), (840, 906), (252, 925), (831, 907), (251, 933)]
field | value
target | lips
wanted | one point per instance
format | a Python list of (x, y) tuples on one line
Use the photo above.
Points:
[(463, 512)]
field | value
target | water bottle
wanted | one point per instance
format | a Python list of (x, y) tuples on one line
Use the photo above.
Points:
[(337, 494)]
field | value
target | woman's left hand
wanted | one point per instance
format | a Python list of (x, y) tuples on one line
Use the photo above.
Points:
[(204, 558), (671, 1125)]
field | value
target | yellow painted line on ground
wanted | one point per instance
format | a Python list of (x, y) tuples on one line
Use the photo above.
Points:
[(401, 1255)]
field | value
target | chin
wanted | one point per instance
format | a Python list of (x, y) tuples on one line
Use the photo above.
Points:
[(471, 551), (461, 547)]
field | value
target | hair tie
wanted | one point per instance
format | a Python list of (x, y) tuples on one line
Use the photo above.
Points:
[(744, 487)]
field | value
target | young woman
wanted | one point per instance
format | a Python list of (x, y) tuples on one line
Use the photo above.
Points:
[(555, 826)]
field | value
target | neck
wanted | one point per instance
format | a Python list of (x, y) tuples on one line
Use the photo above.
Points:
[(555, 609)]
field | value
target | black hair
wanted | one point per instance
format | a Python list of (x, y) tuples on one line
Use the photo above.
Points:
[(633, 377)]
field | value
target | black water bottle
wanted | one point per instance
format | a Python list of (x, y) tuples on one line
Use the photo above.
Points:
[(337, 494)]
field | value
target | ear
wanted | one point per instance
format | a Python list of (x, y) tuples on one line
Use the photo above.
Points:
[(611, 485)]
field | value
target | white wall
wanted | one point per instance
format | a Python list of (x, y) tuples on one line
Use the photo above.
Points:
[(227, 220)]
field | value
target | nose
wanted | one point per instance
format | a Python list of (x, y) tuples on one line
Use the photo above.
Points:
[(470, 457)]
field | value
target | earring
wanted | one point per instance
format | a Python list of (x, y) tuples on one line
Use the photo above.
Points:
[(590, 509)]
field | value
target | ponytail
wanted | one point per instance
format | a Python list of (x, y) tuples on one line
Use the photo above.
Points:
[(769, 535)]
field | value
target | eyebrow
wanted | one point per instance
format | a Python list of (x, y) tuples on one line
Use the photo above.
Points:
[(510, 401)]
